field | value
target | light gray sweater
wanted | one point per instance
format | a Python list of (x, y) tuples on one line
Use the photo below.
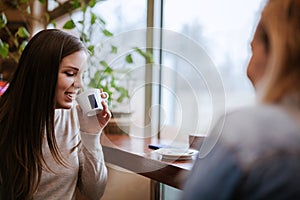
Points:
[(86, 169)]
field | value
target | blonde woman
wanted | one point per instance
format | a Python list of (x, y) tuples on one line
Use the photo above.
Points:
[(258, 153)]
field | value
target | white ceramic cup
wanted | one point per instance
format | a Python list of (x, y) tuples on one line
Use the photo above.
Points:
[(90, 101)]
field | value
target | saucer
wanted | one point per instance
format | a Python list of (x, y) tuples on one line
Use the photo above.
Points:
[(176, 153)]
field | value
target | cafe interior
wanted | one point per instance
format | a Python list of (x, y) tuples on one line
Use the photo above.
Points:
[(180, 63)]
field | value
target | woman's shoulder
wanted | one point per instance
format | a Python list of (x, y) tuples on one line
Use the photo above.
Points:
[(66, 114), (256, 131), (66, 118), (258, 119), (259, 111)]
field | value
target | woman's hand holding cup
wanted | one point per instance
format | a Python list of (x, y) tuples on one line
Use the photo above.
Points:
[(93, 112)]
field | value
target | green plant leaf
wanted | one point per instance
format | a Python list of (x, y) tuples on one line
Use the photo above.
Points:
[(69, 25), (53, 22), (113, 83), (3, 20), (47, 16), (139, 51), (84, 9), (97, 76), (91, 49), (104, 63), (22, 46), (22, 32), (107, 33), (93, 18), (123, 94), (4, 48), (129, 59), (42, 1), (147, 55), (84, 37), (75, 4), (108, 70), (102, 21), (114, 49), (92, 83), (92, 3), (28, 10)]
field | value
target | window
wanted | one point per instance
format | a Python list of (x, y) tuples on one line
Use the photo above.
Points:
[(191, 95), (221, 31), (119, 19)]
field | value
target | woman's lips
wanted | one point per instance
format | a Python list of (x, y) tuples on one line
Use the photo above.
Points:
[(70, 96)]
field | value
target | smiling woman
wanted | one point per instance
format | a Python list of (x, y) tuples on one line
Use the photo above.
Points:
[(47, 152), (69, 81)]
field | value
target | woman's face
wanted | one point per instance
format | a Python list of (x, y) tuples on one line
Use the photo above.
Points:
[(70, 73), (258, 62)]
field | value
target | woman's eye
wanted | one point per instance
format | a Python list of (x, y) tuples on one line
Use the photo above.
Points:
[(70, 73)]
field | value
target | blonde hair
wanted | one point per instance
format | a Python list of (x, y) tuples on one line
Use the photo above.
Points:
[(281, 22)]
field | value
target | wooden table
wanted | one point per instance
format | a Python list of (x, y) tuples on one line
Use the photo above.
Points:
[(132, 153)]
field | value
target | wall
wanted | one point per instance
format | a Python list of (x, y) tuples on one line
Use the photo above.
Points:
[(123, 184)]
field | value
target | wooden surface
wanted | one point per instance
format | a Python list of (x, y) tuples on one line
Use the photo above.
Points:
[(132, 153)]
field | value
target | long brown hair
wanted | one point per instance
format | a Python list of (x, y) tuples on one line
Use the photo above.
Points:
[(281, 22), (27, 113)]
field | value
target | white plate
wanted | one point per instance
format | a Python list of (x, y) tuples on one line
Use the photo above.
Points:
[(176, 153)]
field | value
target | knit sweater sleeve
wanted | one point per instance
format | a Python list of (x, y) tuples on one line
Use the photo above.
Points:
[(92, 170)]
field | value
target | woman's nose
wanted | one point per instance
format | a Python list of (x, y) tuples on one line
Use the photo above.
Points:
[(78, 82)]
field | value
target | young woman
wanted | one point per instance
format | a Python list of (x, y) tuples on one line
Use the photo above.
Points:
[(258, 153), (48, 148)]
